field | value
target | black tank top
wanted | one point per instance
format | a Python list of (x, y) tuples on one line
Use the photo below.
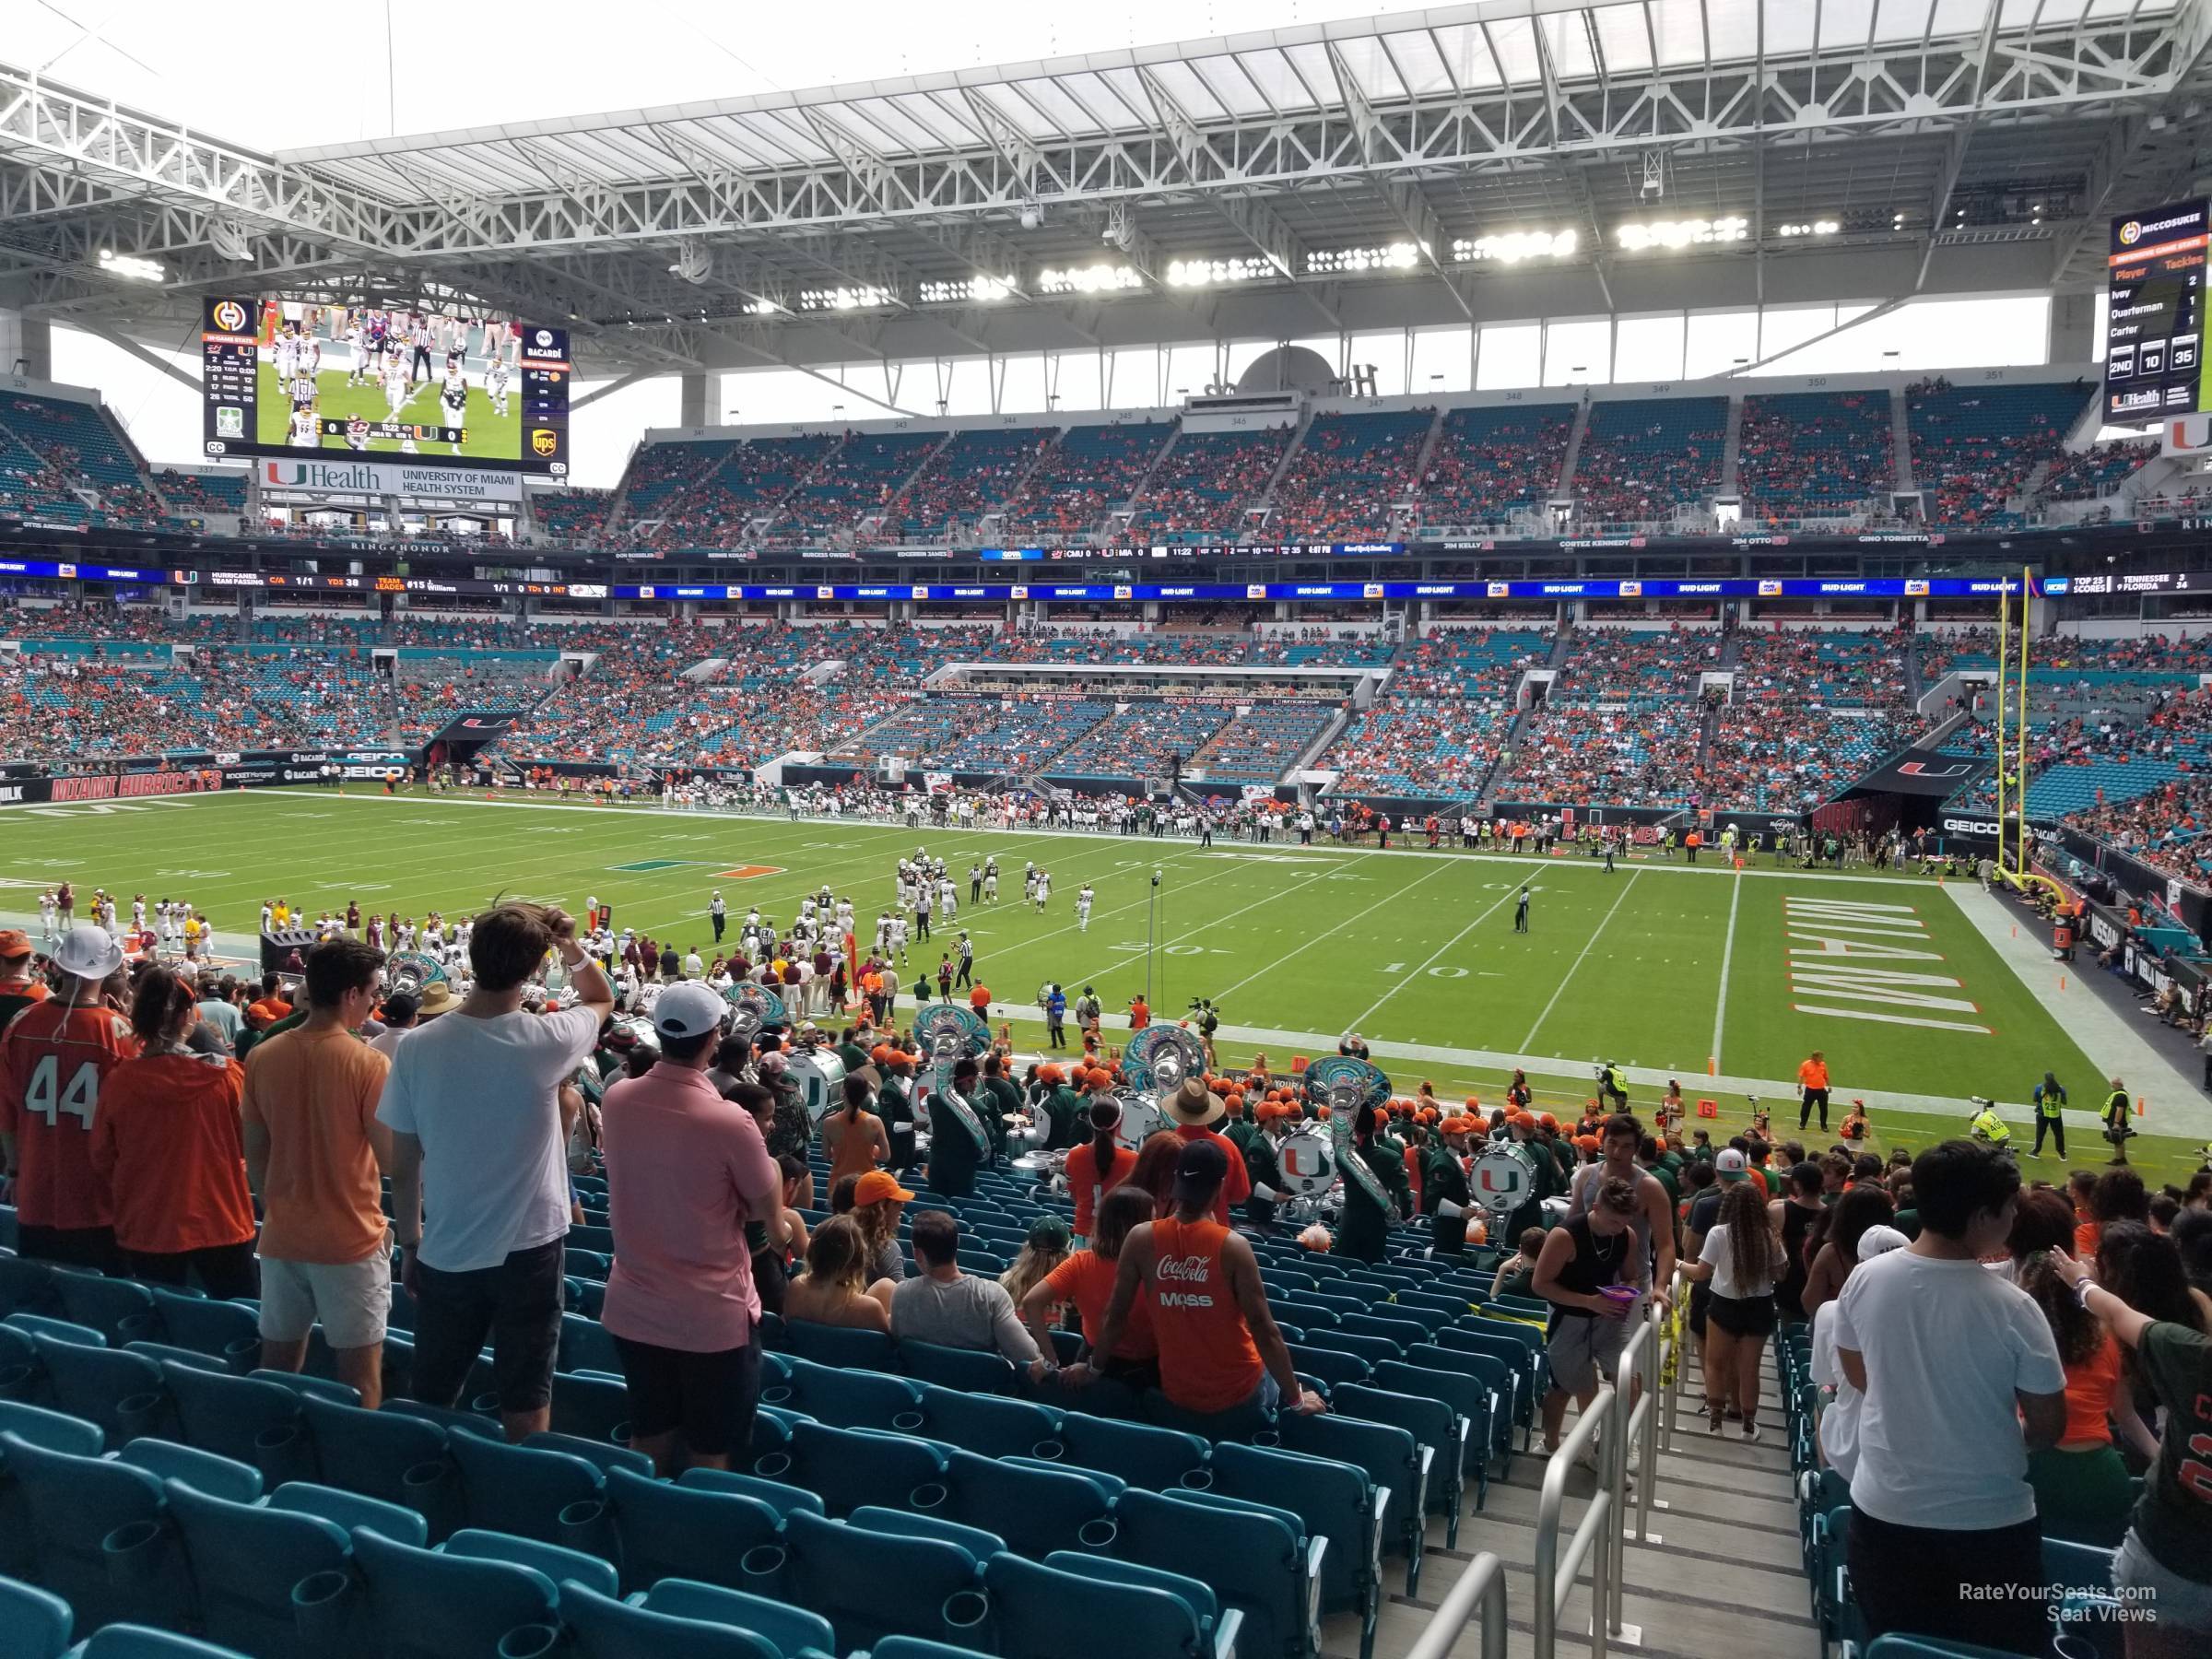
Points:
[(1596, 1263), (1789, 1295)]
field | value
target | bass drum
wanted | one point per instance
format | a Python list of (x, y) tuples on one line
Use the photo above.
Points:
[(820, 1077), (1307, 1157), (1141, 1118)]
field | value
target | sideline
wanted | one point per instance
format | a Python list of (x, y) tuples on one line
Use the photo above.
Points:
[(2175, 1105), (1290, 853)]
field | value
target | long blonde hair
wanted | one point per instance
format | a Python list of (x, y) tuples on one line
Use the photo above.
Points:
[(837, 1256), (877, 1222), (1030, 1267)]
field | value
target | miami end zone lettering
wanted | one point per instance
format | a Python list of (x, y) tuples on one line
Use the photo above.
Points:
[(1843, 951), (130, 786)]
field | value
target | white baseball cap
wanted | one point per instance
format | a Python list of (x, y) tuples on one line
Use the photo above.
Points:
[(690, 1010), (1880, 1241)]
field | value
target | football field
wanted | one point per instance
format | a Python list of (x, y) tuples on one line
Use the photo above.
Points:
[(1724, 980), (489, 435)]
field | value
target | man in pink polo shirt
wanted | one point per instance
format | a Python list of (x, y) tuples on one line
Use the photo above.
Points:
[(686, 1171)]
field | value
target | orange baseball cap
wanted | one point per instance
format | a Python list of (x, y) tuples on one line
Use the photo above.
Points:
[(14, 944), (877, 1185)]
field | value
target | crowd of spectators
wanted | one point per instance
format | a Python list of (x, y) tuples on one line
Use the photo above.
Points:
[(1632, 664), (1491, 463), (202, 495), (1141, 739), (574, 516), (1642, 460), (1808, 454), (977, 470), (1347, 477), (1432, 748), (1199, 491), (1975, 449), (858, 479), (1086, 473), (1582, 755), (2097, 470)]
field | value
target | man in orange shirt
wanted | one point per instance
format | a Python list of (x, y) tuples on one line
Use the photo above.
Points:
[(1812, 1077), (18, 988), (315, 1152), (1140, 1013), (979, 998), (53, 1058), (270, 1007)]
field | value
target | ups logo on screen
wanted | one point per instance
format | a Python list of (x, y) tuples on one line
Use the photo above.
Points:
[(544, 440)]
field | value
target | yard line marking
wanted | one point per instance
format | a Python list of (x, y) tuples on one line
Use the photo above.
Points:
[(1561, 988), (1317, 938), (1720, 1006), (1424, 968)]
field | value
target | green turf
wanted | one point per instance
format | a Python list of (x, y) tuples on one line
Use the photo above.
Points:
[(1625, 965), (489, 435)]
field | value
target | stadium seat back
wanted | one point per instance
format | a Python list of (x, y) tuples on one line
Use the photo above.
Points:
[(653, 1530), (34, 1623), (793, 1630), (847, 1399), (964, 1369), (838, 1346), (780, 1496), (119, 1309), (100, 1542), (872, 1584), (382, 1455), (519, 1489), (422, 1603), (991, 1425), (1040, 1612), (244, 1558), (1394, 1463), (1253, 1559), (603, 1627), (1159, 1460), (848, 1469), (228, 1330), (1335, 1500), (120, 1392), (1037, 1507)]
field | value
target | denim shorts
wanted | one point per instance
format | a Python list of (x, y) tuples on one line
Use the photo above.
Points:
[(2155, 1590)]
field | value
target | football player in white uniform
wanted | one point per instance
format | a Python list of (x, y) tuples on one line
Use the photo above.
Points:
[(399, 388), (306, 431), (495, 384)]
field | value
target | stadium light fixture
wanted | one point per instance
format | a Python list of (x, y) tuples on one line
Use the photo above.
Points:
[(130, 267), (1673, 235), (1510, 247), (1391, 257), (967, 290), (1219, 272), (1089, 279), (1808, 228), (849, 296)]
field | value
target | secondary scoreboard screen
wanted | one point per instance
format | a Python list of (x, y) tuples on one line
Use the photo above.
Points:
[(282, 378), (2155, 315)]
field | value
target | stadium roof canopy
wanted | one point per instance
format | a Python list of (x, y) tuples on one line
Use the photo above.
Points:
[(1489, 161)]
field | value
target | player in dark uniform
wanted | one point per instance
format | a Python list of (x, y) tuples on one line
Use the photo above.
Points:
[(357, 432)]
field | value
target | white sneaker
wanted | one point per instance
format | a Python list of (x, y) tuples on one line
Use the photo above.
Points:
[(1750, 1434)]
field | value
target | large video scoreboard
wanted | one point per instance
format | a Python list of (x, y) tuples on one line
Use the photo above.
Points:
[(384, 384), (2155, 315)]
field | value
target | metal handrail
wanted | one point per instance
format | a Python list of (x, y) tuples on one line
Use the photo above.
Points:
[(1481, 1585), (1599, 1525), (1629, 1412)]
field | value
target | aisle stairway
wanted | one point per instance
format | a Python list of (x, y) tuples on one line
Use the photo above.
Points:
[(1723, 1578)]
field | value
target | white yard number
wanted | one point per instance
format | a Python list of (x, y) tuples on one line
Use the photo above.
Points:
[(78, 1099)]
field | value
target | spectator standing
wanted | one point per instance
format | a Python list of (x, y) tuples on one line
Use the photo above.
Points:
[(2165, 1561), (1588, 1328), (852, 1136), (1097, 1166), (1743, 1259), (315, 1153), (480, 1176), (1223, 1367), (1194, 1109), (18, 986), (942, 1305), (1962, 1380), (957, 1141), (168, 1142), (686, 1171), (219, 1009), (55, 1058)]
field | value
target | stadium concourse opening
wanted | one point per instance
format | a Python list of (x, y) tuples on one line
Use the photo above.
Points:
[(1143, 856)]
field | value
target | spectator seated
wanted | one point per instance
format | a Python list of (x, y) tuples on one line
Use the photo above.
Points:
[(574, 516), (2097, 471), (1434, 747), (1139, 739), (202, 495), (1260, 745), (857, 481)]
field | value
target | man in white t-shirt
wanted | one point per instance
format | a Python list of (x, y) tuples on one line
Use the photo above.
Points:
[(480, 1176), (1962, 1380)]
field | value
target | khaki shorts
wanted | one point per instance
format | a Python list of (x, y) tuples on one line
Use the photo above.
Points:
[(1584, 1346), (351, 1300)]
